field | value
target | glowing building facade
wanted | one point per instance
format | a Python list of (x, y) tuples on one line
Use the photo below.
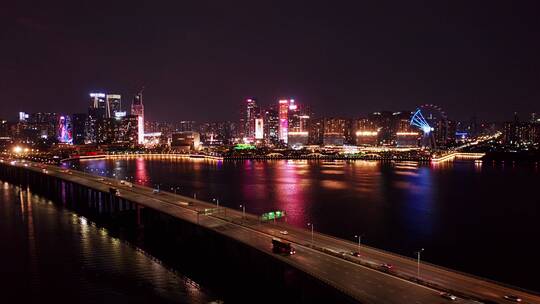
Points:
[(137, 109), (64, 130), (284, 105), (114, 105), (298, 126), (259, 129), (249, 112), (271, 125)]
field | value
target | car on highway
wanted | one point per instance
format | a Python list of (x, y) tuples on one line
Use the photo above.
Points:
[(355, 254), (512, 298), (126, 183), (448, 296), (386, 267), (185, 203), (156, 191), (100, 179), (284, 232)]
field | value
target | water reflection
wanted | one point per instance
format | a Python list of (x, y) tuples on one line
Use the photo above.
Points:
[(398, 206), (52, 254)]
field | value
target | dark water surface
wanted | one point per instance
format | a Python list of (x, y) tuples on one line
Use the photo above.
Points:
[(51, 255), (479, 218)]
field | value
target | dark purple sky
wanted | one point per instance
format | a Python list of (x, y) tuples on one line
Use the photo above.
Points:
[(199, 59)]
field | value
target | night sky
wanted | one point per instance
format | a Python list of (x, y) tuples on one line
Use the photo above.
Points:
[(199, 59)]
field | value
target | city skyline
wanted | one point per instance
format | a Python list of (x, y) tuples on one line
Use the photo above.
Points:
[(122, 110), (269, 151), (199, 64)]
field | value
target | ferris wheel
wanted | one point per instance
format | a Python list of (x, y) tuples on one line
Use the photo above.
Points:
[(430, 119)]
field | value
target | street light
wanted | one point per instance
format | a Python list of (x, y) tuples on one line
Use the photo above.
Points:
[(419, 252), (359, 237), (311, 224), (243, 210)]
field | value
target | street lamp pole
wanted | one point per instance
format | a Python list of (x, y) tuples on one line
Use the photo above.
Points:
[(243, 210), (419, 252), (311, 224), (359, 241)]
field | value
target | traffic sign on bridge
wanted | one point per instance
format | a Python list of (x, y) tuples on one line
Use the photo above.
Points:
[(272, 215)]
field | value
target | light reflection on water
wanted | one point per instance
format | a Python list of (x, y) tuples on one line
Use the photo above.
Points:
[(398, 206), (51, 253)]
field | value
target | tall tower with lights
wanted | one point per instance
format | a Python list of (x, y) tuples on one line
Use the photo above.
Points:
[(137, 109), (249, 112), (284, 105)]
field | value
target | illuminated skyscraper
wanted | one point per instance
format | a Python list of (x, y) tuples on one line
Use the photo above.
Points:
[(65, 134), (271, 124), (284, 119), (249, 111), (137, 109), (335, 131), (98, 101), (259, 128), (114, 105), (298, 128)]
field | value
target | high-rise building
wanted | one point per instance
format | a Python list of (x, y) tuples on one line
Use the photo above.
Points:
[(185, 125), (385, 124), (114, 105), (271, 125), (4, 129), (217, 133), (128, 130), (99, 101), (335, 131), (259, 128), (518, 132), (78, 123), (45, 124), (405, 134), (106, 131), (137, 109), (249, 111), (366, 132), (23, 116), (65, 130), (284, 105), (316, 131), (298, 125)]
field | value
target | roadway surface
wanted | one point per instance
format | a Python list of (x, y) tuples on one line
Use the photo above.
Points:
[(327, 258)]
